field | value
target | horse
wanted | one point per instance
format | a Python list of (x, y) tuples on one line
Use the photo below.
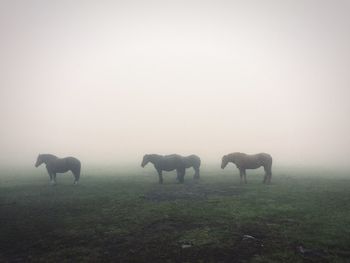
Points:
[(245, 161), (172, 162), (59, 165), (195, 162)]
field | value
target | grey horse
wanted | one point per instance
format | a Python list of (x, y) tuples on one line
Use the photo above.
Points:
[(59, 165), (172, 162), (245, 161), (193, 161)]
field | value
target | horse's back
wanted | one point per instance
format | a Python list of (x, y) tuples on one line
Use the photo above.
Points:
[(261, 159), (251, 161), (173, 156), (171, 162), (265, 157), (72, 160), (194, 157)]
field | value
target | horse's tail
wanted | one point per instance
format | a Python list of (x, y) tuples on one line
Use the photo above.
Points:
[(197, 165), (79, 170), (269, 170)]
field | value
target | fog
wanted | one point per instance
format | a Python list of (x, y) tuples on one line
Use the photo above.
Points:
[(108, 81)]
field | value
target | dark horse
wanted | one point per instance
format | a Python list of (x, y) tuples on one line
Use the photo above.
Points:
[(173, 162), (244, 161), (59, 165)]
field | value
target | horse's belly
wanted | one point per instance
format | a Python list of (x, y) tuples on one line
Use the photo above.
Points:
[(253, 166), (168, 169), (61, 170), (170, 165)]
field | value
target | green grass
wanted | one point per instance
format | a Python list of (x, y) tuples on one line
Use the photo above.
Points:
[(125, 216)]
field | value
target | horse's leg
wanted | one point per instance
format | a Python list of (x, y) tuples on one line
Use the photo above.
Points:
[(241, 175), (160, 176), (54, 178), (196, 175), (76, 178), (245, 176), (181, 174), (76, 174), (267, 177), (182, 177), (50, 174), (178, 175)]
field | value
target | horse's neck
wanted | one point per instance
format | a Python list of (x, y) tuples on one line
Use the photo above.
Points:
[(155, 159), (48, 158), (233, 159)]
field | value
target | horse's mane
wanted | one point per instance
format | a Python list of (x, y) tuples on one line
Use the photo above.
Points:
[(154, 155), (172, 155), (48, 156)]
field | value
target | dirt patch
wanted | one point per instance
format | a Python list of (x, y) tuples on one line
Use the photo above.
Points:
[(190, 192)]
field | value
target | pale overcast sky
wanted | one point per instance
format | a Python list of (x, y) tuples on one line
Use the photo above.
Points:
[(108, 81)]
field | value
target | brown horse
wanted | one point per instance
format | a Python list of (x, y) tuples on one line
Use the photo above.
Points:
[(59, 165), (245, 161)]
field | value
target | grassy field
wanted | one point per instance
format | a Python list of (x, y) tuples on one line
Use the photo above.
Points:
[(125, 216)]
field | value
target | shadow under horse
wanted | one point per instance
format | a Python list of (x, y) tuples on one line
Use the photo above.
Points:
[(59, 165), (245, 161), (173, 162)]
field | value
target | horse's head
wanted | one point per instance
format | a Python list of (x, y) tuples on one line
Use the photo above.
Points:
[(39, 160), (224, 161), (145, 160)]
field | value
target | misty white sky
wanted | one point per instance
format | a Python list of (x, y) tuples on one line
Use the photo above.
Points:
[(108, 81)]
